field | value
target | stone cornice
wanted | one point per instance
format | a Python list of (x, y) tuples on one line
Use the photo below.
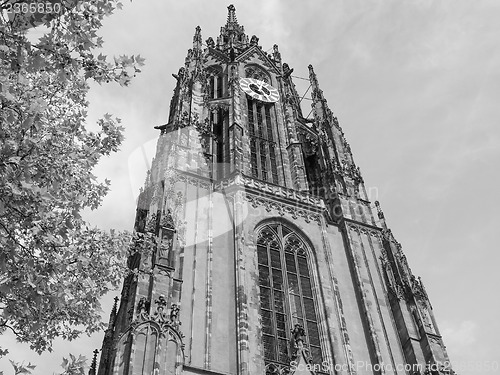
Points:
[(265, 189), (261, 193), (360, 226)]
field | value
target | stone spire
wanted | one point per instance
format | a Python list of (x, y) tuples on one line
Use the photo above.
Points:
[(197, 38), (319, 100), (93, 365), (232, 21), (380, 214), (194, 57), (107, 343), (112, 315), (232, 35)]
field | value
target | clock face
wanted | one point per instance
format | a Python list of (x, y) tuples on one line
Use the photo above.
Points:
[(259, 90)]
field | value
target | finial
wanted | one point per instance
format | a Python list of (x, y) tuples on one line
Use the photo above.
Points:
[(161, 302), (379, 210), (197, 38), (115, 305), (174, 312), (254, 41), (231, 16), (312, 76), (287, 71), (112, 315), (276, 53)]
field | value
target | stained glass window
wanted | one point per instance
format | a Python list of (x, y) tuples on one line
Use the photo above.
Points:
[(286, 293)]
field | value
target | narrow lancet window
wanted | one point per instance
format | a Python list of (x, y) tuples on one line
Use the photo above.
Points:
[(262, 141)]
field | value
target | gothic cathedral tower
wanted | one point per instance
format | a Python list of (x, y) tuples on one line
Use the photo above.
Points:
[(264, 254)]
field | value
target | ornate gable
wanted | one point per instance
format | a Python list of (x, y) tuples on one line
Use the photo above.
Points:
[(254, 55), (217, 56)]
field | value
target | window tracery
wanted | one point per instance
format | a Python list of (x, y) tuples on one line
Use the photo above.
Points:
[(254, 71), (286, 293), (262, 140), (215, 82)]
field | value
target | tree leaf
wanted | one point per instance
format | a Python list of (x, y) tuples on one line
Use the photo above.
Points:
[(47, 251)]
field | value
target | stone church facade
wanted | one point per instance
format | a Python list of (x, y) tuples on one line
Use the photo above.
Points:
[(264, 254)]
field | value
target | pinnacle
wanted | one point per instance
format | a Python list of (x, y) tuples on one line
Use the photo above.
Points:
[(312, 76), (380, 214), (197, 37), (231, 16)]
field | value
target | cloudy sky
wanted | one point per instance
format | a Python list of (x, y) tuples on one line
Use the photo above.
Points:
[(416, 88)]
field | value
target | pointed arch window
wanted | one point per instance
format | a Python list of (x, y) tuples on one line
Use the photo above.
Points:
[(262, 140), (215, 82), (286, 293)]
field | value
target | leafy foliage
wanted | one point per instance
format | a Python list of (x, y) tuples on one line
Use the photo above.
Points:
[(53, 267), (21, 368), (73, 365)]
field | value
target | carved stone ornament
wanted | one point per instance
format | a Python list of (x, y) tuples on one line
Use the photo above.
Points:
[(298, 345), (165, 247), (198, 73), (298, 334), (167, 221), (254, 71), (317, 95), (347, 146), (380, 213), (210, 42), (143, 307), (214, 106), (398, 291), (288, 99), (204, 127), (151, 224), (164, 319), (189, 56), (192, 180), (279, 191), (387, 235), (309, 141), (183, 121), (277, 369), (254, 40), (349, 170), (283, 209), (418, 290), (287, 72)]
